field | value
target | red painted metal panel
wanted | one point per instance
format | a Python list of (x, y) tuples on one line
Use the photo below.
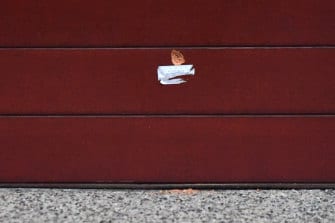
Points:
[(168, 22), (124, 81), (167, 149)]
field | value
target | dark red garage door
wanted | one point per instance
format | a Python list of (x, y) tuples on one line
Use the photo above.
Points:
[(80, 99)]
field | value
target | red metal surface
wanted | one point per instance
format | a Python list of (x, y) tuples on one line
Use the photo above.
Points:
[(168, 22), (120, 81), (167, 149), (117, 81)]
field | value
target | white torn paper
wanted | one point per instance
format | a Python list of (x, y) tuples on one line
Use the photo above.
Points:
[(167, 74)]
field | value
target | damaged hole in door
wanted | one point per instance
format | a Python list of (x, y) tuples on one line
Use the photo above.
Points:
[(170, 74)]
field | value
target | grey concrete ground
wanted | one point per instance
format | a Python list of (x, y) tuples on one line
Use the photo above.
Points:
[(92, 205)]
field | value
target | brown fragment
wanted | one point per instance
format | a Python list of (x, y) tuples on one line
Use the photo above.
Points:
[(189, 191), (177, 57)]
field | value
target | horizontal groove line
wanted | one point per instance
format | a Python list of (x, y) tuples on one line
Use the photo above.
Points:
[(169, 47), (168, 186), (162, 115)]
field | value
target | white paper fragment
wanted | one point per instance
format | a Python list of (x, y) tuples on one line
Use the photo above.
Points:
[(167, 74)]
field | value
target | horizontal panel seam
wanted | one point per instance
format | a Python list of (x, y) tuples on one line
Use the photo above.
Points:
[(169, 47), (175, 116)]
